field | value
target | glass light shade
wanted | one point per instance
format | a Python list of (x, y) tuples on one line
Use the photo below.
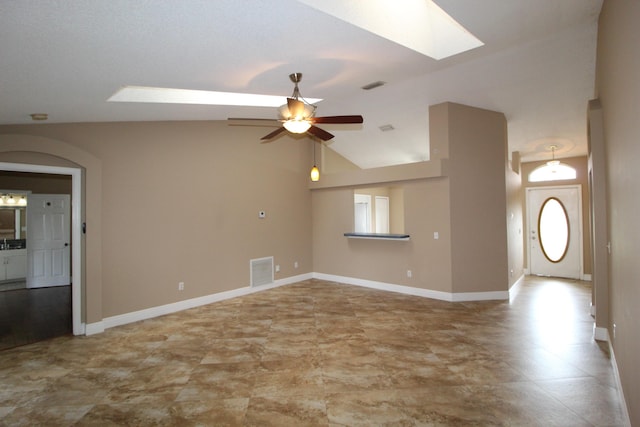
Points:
[(553, 170), (297, 126), (284, 114), (11, 201), (22, 201), (315, 174)]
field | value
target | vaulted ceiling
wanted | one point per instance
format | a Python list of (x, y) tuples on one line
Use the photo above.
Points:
[(537, 66)]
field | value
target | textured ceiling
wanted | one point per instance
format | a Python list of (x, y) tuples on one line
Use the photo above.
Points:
[(537, 66)]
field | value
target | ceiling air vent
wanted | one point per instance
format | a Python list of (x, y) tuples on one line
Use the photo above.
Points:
[(373, 85), (386, 128)]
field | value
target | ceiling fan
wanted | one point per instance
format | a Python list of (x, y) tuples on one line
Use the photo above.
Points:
[(298, 116)]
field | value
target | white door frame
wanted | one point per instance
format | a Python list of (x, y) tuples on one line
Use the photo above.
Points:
[(580, 230), (76, 231)]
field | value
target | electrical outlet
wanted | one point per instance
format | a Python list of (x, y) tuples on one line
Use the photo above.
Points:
[(409, 274), (436, 235), (295, 264), (181, 286), (277, 268)]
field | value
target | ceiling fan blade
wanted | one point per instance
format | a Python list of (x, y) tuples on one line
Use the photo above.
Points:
[(320, 133), (296, 107), (337, 119), (273, 134), (236, 121)]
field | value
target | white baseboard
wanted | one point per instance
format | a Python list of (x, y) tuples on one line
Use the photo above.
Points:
[(408, 290), (149, 313), (515, 289), (623, 403), (586, 277), (94, 328), (600, 334)]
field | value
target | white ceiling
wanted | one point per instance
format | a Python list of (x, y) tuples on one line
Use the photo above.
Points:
[(537, 65)]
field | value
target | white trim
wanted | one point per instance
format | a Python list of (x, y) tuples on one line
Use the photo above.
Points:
[(600, 334), (592, 310), (76, 231), (514, 290), (293, 279), (626, 419), (480, 296), (149, 313), (94, 328), (409, 290), (586, 277)]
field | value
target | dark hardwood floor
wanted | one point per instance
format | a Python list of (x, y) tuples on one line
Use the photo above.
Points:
[(31, 315)]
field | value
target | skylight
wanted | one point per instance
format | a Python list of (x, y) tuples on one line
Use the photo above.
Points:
[(420, 25), (205, 97)]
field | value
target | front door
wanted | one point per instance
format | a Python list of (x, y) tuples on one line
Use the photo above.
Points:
[(555, 231), (48, 239)]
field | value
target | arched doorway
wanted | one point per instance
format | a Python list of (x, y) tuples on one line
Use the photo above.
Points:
[(20, 152), (76, 231)]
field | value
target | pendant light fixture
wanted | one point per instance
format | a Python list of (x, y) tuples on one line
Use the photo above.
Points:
[(315, 172), (553, 170)]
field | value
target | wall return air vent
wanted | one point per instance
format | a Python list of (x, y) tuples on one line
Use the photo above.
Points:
[(261, 271)]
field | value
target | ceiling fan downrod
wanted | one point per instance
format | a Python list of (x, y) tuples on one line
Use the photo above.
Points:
[(295, 78)]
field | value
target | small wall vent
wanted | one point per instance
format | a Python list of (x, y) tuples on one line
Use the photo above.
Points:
[(261, 271), (373, 85)]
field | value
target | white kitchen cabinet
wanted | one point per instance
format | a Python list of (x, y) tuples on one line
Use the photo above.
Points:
[(13, 264)]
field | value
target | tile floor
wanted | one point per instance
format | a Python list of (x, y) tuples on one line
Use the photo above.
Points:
[(322, 354)]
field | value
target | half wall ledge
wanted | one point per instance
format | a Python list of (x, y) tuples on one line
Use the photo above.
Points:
[(377, 236)]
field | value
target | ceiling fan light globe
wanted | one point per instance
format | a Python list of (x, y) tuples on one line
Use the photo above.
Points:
[(297, 126)]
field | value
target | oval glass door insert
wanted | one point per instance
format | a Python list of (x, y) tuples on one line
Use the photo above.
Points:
[(553, 229)]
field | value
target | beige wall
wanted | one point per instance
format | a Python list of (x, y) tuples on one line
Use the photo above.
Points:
[(582, 178), (477, 147), (618, 68), (466, 182), (329, 161), (426, 210), (179, 202)]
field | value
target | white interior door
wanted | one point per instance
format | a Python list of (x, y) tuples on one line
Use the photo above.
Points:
[(382, 214), (554, 223), (48, 240), (362, 213)]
